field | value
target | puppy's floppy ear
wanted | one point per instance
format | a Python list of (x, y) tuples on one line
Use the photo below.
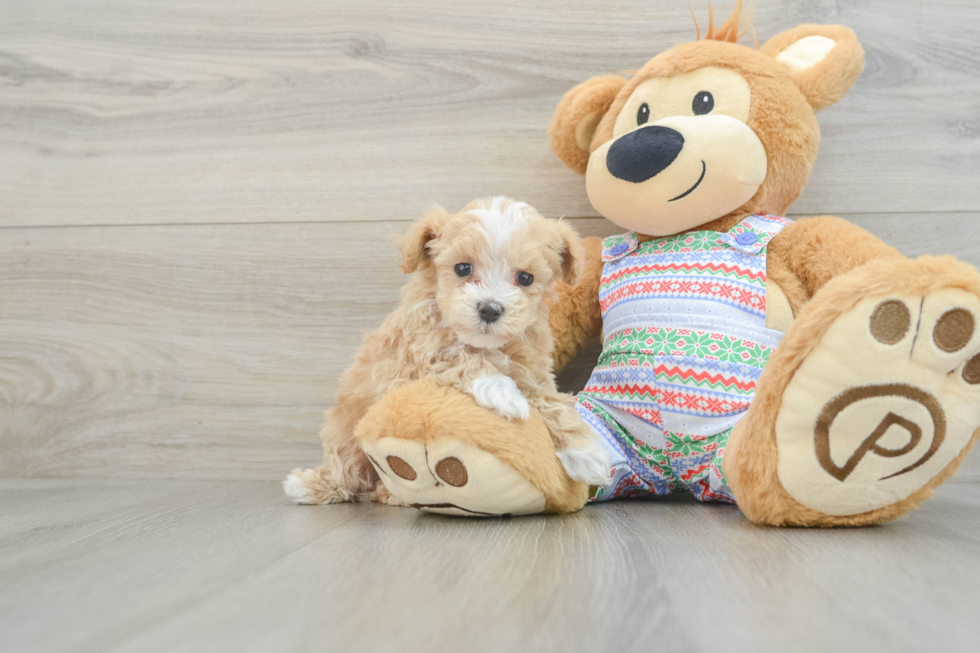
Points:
[(414, 245), (824, 60), (571, 251), (577, 116)]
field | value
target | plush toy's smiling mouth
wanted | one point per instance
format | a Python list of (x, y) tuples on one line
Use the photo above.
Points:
[(704, 168)]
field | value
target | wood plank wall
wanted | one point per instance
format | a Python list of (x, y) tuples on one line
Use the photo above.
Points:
[(197, 199)]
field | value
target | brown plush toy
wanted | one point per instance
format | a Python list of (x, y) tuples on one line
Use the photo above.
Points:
[(804, 370)]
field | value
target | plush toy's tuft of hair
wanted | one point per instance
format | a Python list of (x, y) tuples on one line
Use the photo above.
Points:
[(729, 30)]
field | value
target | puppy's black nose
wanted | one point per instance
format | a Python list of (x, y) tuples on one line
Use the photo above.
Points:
[(490, 312), (642, 153)]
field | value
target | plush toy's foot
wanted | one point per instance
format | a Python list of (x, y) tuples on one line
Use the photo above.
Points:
[(871, 401), (435, 449)]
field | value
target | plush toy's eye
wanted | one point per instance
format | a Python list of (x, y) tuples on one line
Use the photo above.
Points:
[(703, 103), (463, 269), (643, 114), (525, 278)]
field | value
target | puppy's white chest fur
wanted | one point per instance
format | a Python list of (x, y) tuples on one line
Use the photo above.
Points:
[(500, 394)]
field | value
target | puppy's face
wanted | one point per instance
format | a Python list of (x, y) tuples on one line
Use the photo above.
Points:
[(492, 264)]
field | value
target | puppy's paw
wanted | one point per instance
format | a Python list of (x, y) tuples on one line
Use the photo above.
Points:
[(383, 495), (500, 394), (296, 490), (589, 464)]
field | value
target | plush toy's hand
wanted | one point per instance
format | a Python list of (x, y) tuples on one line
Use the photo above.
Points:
[(575, 316), (500, 394), (590, 464)]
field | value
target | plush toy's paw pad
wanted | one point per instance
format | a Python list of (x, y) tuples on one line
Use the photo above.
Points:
[(887, 399), (296, 490), (449, 477), (590, 464), (500, 394)]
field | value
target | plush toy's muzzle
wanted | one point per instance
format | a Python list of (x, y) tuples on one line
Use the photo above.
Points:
[(676, 174)]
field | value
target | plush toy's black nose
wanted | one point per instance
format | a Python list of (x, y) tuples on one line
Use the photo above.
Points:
[(643, 153), (490, 313)]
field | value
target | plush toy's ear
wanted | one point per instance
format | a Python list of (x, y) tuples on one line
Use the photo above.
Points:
[(577, 116), (824, 60), (414, 245), (572, 253)]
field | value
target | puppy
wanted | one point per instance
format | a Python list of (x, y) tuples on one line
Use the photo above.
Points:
[(473, 315)]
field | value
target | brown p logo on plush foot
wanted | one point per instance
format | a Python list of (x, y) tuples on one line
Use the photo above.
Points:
[(885, 404), (870, 444)]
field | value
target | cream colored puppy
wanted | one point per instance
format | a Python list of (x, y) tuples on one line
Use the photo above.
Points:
[(473, 315)]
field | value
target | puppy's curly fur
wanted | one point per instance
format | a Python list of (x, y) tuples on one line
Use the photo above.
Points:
[(474, 315)]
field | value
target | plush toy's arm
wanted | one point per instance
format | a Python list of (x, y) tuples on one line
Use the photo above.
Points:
[(575, 313), (818, 249)]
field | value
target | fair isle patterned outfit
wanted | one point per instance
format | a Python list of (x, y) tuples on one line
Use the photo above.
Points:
[(685, 341)]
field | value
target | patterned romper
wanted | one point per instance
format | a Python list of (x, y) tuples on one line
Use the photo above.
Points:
[(685, 341)]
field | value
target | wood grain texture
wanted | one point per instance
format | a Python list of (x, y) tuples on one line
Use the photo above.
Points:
[(145, 112), (192, 566), (209, 351)]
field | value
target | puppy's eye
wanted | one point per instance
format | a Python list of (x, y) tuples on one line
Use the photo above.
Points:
[(703, 103), (463, 269), (643, 114), (525, 278)]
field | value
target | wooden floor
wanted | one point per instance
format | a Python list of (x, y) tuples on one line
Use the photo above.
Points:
[(167, 566), (196, 208)]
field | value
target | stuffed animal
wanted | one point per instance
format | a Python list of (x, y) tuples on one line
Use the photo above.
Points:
[(804, 370)]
